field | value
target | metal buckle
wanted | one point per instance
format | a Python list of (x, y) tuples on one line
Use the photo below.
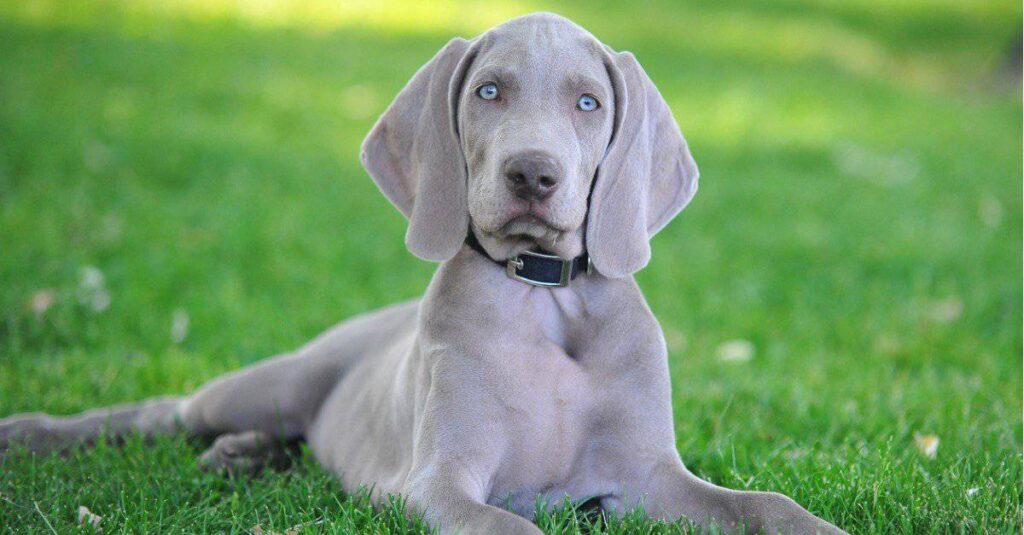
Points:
[(514, 264)]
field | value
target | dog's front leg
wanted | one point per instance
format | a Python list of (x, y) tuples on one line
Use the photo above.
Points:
[(452, 502), (671, 492)]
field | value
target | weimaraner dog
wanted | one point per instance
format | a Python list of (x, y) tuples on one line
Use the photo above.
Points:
[(534, 163)]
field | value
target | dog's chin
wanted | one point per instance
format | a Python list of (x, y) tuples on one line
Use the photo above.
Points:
[(529, 233)]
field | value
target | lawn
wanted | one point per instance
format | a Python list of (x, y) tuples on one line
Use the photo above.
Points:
[(180, 195)]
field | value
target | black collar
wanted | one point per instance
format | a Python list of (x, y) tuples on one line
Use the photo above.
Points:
[(537, 268)]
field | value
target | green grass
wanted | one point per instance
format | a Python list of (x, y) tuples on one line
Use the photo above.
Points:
[(859, 223)]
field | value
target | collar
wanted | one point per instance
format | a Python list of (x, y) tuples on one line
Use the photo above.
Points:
[(537, 268)]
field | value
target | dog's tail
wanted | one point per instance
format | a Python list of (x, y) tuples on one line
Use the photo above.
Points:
[(43, 433)]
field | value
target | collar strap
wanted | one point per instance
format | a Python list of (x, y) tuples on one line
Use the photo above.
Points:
[(538, 268)]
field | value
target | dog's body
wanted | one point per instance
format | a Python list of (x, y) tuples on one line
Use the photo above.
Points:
[(489, 392)]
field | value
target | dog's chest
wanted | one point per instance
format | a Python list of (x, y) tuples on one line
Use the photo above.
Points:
[(556, 316), (571, 425), (569, 389), (544, 418), (572, 434)]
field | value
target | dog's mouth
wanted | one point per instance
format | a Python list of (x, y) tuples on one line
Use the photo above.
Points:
[(527, 225), (526, 219), (532, 218), (524, 232)]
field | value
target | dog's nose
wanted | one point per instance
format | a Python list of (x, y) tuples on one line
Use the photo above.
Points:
[(532, 176)]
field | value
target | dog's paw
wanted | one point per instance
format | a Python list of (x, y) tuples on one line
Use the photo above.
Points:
[(770, 512), (244, 454)]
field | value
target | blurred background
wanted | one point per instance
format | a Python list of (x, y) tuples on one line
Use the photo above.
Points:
[(180, 195)]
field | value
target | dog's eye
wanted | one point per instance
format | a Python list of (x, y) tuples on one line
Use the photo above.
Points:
[(588, 103), (488, 91)]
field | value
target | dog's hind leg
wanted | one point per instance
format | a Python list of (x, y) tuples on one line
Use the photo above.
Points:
[(43, 433), (283, 395), (276, 397)]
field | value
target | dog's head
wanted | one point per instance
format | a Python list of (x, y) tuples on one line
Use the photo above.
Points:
[(536, 135)]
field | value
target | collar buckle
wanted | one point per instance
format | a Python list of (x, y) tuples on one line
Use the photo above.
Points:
[(515, 264)]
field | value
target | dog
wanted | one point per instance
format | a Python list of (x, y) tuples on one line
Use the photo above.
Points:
[(534, 163)]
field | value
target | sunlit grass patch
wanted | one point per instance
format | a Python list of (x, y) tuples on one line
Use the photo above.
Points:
[(313, 15)]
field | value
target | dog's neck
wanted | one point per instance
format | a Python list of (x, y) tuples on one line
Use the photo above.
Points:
[(537, 267), (471, 291)]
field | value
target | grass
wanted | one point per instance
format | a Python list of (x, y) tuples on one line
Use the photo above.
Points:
[(858, 227)]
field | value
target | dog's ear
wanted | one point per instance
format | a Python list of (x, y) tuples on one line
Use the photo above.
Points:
[(647, 175), (414, 156)]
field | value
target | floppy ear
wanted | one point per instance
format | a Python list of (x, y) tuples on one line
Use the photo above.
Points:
[(646, 178), (414, 156)]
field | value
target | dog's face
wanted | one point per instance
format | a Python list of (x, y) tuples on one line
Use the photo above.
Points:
[(535, 117), (533, 135)]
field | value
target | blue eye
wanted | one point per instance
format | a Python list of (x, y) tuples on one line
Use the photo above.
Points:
[(588, 103), (488, 91)]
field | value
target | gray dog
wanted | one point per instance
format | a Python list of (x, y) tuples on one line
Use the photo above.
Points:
[(535, 164)]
